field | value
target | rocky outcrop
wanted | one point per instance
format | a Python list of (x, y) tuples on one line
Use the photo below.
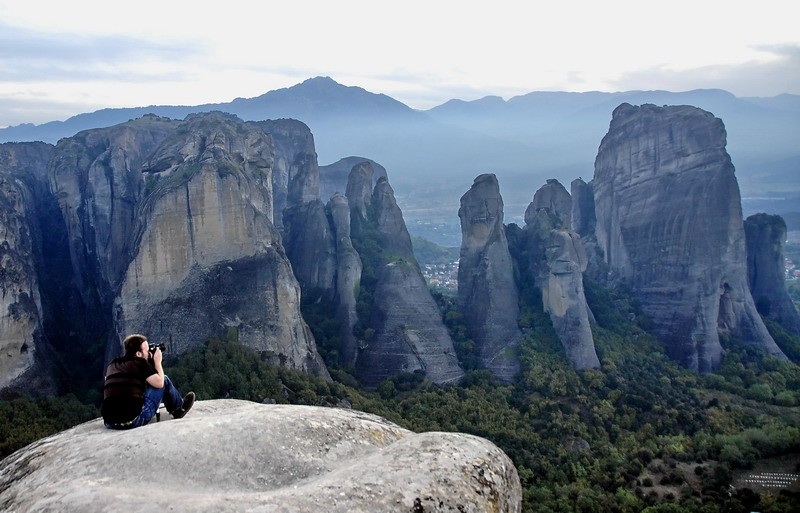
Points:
[(583, 216), (669, 224), (487, 293), (359, 190), (207, 260), (24, 349), (766, 240), (557, 262), (294, 153), (348, 278), (308, 238), (333, 177), (408, 332), (228, 456)]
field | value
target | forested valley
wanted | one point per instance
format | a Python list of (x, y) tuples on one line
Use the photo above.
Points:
[(642, 434)]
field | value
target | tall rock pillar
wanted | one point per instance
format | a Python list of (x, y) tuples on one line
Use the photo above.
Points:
[(669, 222), (487, 293)]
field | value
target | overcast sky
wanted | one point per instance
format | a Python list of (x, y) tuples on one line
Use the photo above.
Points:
[(59, 58)]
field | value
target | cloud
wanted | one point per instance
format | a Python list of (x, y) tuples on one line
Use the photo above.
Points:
[(777, 73), (31, 56)]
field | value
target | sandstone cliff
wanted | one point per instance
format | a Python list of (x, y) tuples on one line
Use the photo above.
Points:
[(669, 223), (206, 257), (294, 153), (348, 278), (228, 456), (557, 262), (308, 237), (766, 240), (409, 334), (24, 349), (333, 177), (487, 293)]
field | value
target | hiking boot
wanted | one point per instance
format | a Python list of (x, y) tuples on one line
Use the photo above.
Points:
[(188, 401)]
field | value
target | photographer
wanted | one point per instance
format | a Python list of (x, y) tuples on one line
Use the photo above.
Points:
[(135, 385)]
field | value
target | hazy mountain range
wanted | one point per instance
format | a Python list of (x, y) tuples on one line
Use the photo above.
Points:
[(432, 156)]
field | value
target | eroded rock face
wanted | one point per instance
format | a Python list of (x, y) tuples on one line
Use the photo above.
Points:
[(487, 293), (583, 216), (208, 260), (409, 334), (669, 223), (766, 241), (308, 238), (558, 261), (333, 177), (275, 458), (22, 340), (348, 277), (294, 153)]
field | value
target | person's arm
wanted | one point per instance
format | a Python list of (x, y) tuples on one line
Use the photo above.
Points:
[(157, 380)]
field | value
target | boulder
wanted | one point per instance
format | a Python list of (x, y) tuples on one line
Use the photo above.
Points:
[(230, 456)]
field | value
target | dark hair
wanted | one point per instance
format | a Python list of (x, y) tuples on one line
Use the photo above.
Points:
[(133, 343)]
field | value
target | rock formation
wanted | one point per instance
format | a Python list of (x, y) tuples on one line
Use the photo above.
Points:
[(409, 334), (294, 153), (207, 259), (228, 456), (333, 177), (23, 345), (487, 293), (669, 223), (308, 238), (348, 278), (583, 216), (557, 262), (766, 239)]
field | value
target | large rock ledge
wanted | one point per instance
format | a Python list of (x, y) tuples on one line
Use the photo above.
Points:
[(230, 455)]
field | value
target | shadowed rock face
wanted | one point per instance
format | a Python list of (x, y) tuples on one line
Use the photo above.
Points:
[(275, 458), (308, 238), (22, 341), (333, 177), (409, 334), (583, 216), (557, 261), (669, 223), (487, 293), (348, 277), (766, 239), (294, 153), (208, 259)]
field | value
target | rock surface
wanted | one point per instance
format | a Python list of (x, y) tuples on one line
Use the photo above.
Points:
[(22, 340), (409, 334), (669, 223), (333, 177), (207, 259), (558, 261), (230, 456), (766, 241), (487, 293)]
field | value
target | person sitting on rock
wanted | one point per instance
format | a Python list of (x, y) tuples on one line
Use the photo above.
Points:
[(135, 385)]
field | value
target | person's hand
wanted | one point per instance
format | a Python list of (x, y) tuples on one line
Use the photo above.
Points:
[(157, 356)]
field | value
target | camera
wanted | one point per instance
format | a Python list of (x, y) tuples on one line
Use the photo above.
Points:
[(153, 348)]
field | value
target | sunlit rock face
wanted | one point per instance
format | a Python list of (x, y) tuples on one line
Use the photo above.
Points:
[(766, 241), (409, 334), (557, 260), (229, 456), (487, 292), (669, 223), (207, 260), (24, 362)]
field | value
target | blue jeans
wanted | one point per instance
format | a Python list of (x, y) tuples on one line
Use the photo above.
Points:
[(152, 398)]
